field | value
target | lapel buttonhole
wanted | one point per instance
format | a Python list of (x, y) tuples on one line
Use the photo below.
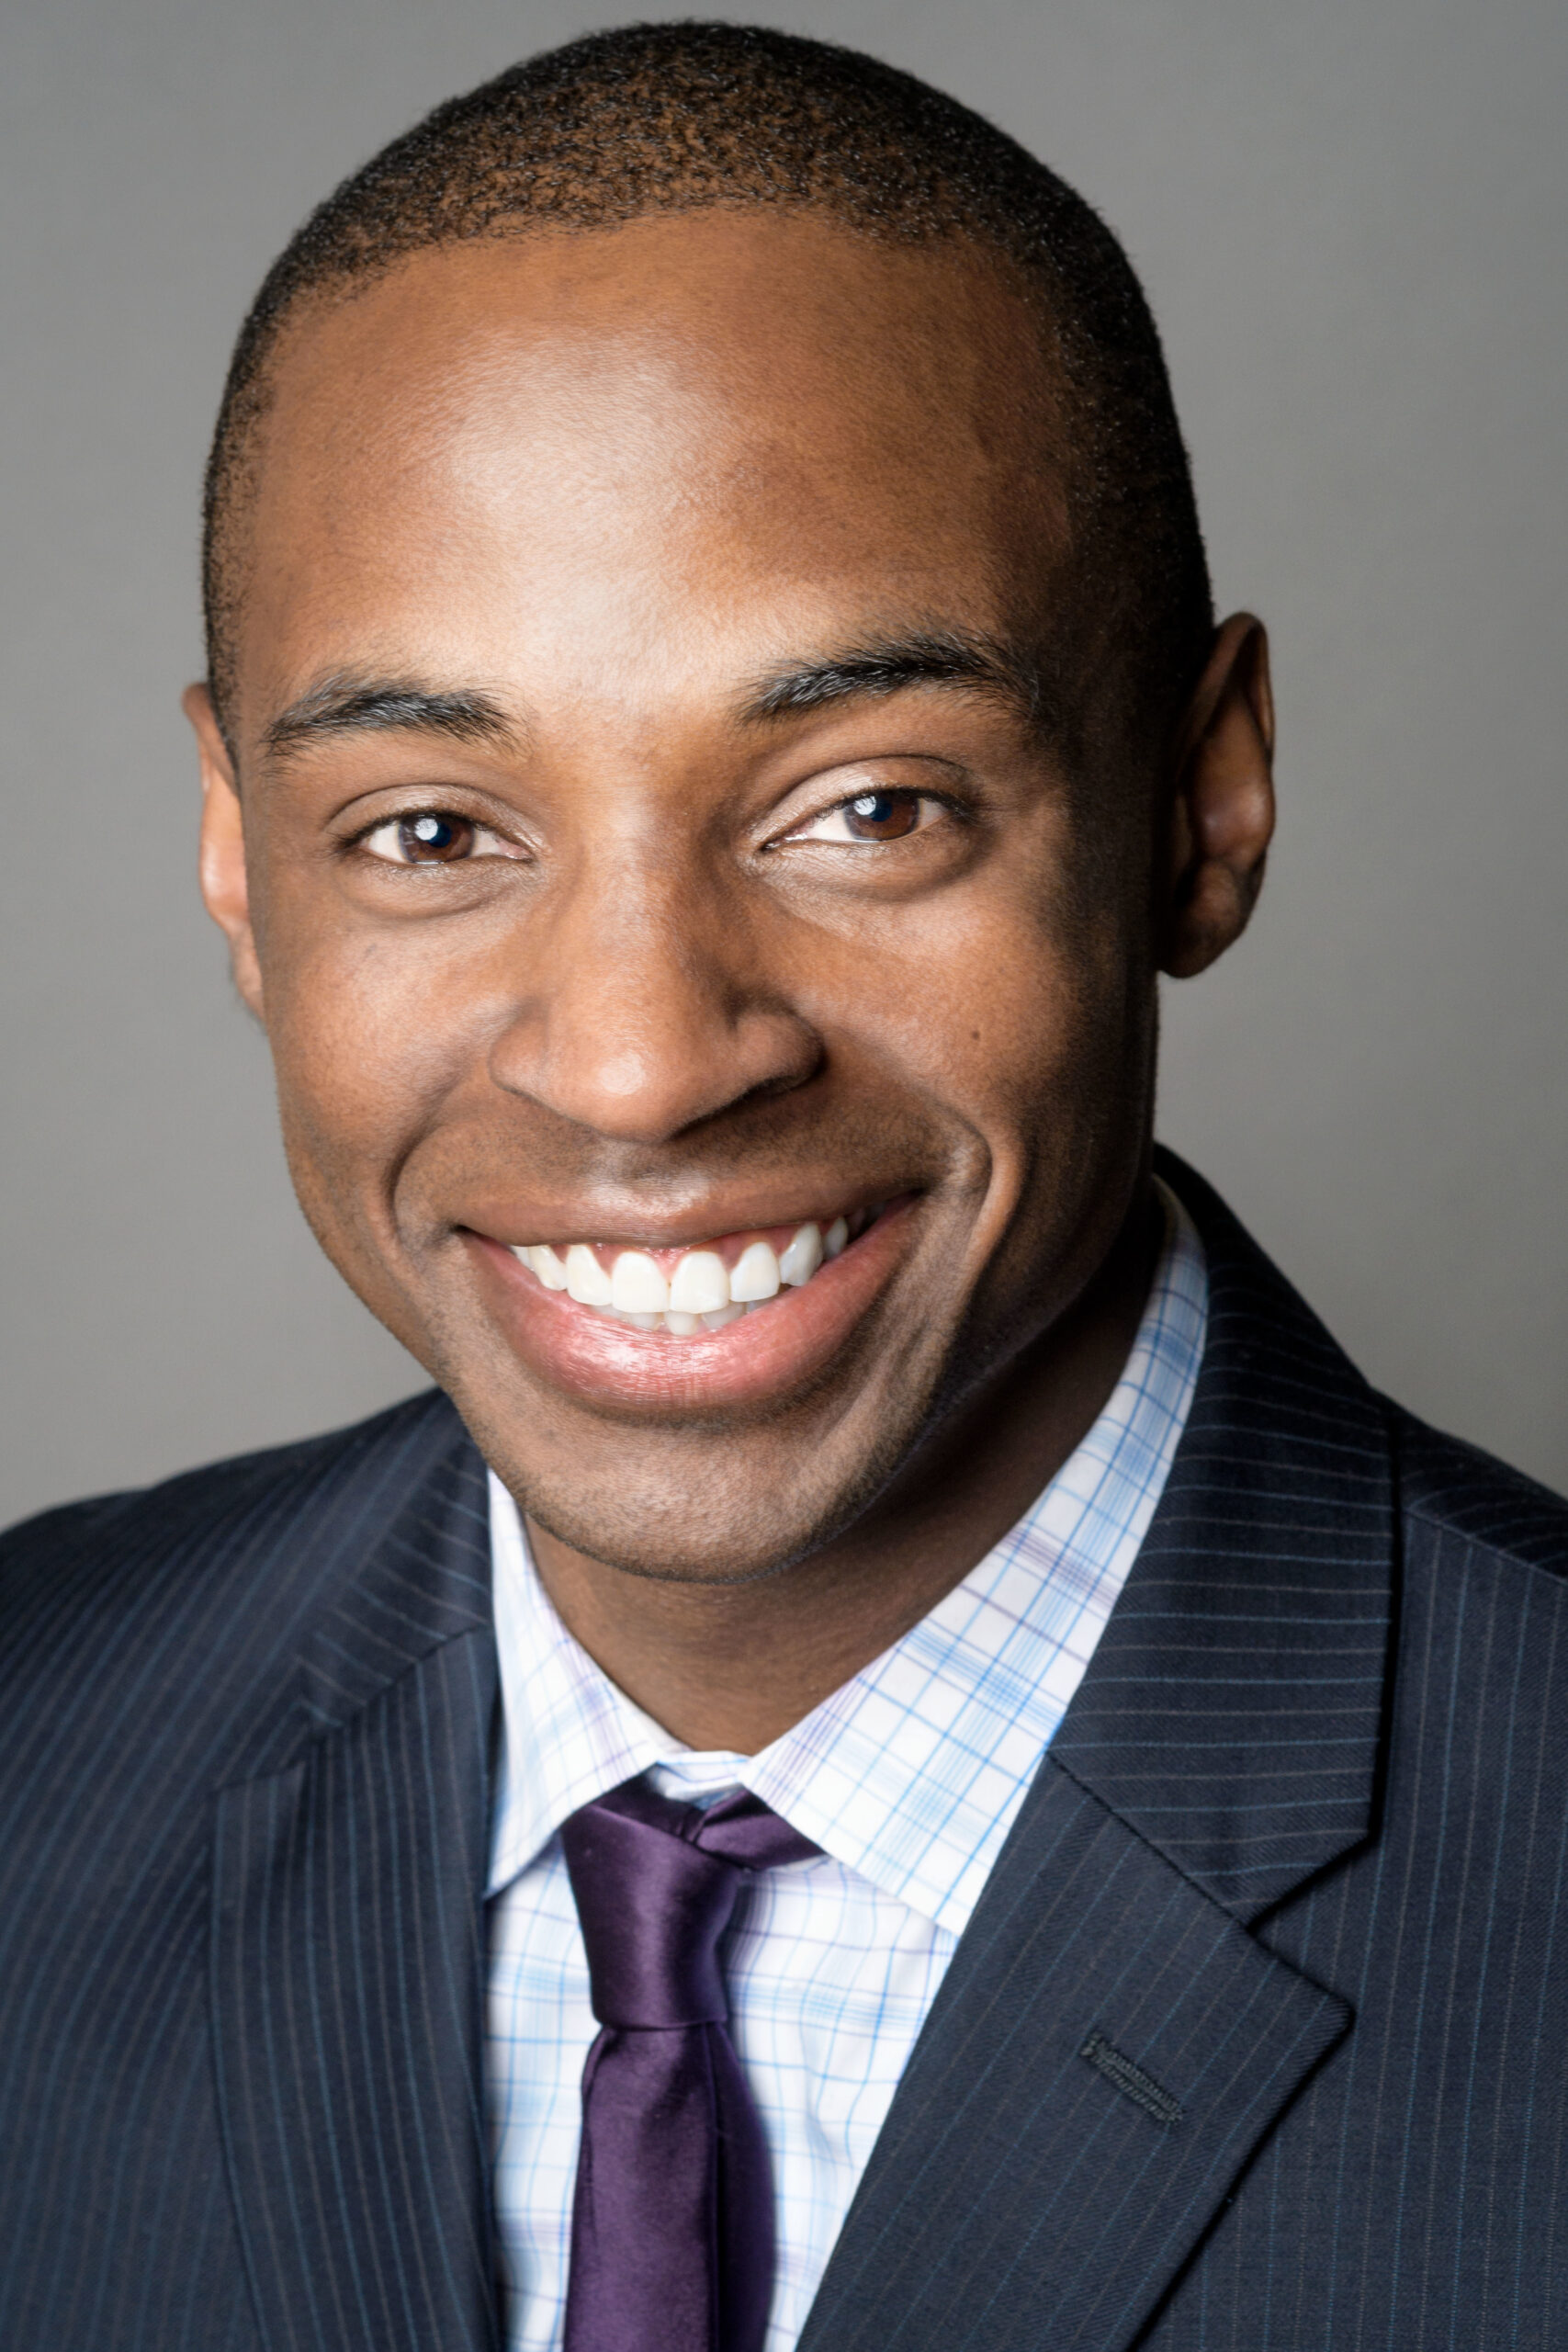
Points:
[(1131, 2080)]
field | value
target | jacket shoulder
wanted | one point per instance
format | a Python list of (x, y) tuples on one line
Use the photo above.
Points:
[(1456, 1489), (81, 1552)]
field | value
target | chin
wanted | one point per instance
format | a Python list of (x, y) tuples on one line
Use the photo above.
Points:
[(703, 1508)]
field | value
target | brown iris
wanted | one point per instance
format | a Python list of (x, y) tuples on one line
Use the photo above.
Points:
[(431, 839), (881, 816)]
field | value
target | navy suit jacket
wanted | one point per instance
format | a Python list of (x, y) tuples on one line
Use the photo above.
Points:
[(1256, 2038)]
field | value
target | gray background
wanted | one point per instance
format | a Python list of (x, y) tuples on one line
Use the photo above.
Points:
[(1351, 218)]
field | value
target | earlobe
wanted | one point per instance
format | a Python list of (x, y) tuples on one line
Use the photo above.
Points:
[(1222, 811), (224, 882)]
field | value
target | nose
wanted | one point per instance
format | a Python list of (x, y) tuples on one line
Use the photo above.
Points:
[(647, 1009)]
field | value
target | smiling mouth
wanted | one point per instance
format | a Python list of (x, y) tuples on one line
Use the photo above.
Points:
[(704, 1287)]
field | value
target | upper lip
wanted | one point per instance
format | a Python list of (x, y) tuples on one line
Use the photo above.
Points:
[(713, 1222)]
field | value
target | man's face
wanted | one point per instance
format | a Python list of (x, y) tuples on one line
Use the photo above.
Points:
[(696, 910)]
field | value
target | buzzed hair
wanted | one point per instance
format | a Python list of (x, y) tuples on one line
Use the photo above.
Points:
[(672, 118)]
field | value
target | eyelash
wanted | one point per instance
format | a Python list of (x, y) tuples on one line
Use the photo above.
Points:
[(862, 801), (404, 821)]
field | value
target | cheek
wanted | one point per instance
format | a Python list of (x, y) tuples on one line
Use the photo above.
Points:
[(371, 1033), (1004, 1003), (1046, 1028)]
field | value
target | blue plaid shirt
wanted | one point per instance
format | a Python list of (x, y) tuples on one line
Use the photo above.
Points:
[(909, 1777)]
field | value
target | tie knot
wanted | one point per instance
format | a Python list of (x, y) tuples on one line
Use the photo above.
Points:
[(655, 1884)]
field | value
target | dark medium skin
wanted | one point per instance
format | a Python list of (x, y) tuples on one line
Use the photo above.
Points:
[(604, 493)]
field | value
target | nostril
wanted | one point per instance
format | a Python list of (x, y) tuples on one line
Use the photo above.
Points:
[(634, 1091)]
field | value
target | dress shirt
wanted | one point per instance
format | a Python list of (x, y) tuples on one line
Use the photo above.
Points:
[(909, 1777)]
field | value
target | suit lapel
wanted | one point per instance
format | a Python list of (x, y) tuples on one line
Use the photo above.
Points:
[(1110, 2043), (1024, 2193), (347, 1945), (1232, 1710)]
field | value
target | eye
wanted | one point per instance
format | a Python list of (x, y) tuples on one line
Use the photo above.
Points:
[(425, 837), (869, 818)]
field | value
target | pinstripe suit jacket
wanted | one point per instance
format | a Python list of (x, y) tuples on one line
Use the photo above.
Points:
[(1293, 1877)]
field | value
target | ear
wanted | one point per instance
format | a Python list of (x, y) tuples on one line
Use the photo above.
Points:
[(1221, 815), (224, 885)]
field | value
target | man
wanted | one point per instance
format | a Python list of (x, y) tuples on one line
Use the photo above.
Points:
[(902, 1754)]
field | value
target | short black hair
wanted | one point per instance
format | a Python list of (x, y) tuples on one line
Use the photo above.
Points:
[(669, 117)]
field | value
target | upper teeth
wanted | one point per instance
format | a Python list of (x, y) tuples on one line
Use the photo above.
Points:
[(699, 1291), (699, 1284)]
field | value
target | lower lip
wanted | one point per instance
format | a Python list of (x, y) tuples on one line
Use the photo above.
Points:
[(776, 1349)]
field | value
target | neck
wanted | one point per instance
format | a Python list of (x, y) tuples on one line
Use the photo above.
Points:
[(735, 1666)]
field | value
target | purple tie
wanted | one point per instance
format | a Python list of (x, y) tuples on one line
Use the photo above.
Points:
[(672, 2228)]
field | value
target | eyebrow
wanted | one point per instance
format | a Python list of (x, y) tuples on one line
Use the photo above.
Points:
[(955, 658), (952, 658), (349, 706)]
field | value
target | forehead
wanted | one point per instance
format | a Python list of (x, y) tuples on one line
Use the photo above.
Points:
[(606, 446)]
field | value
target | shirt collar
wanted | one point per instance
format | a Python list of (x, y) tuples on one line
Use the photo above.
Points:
[(911, 1773)]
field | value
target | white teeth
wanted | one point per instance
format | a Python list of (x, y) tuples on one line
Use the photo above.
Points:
[(636, 1286), (755, 1273), (586, 1280), (700, 1292), (700, 1285), (803, 1256)]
